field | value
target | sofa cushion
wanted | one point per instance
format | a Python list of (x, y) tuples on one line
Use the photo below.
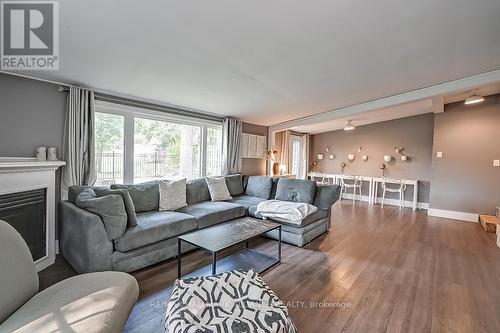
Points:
[(326, 196), (318, 215), (210, 213), (109, 208), (127, 201), (259, 186), (296, 190), (197, 191), (235, 184), (153, 227), (246, 201), (94, 302), (146, 196)]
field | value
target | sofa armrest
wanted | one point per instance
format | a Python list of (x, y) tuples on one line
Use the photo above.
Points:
[(83, 240), (326, 196)]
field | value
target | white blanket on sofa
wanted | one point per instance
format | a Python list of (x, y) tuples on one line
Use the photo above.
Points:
[(285, 211)]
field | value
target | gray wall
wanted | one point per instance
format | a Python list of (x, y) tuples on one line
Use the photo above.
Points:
[(376, 140), (254, 166), (469, 136), (31, 115)]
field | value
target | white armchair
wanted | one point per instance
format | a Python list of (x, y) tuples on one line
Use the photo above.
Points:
[(94, 302)]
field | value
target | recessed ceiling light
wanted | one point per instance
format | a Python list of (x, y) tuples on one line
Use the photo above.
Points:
[(349, 126), (473, 99)]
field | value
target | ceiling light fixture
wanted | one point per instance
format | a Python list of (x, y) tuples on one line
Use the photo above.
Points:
[(349, 126), (474, 98)]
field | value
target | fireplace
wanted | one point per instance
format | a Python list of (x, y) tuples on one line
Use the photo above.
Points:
[(26, 211), (28, 203)]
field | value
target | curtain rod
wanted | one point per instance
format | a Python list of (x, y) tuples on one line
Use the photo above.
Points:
[(152, 106)]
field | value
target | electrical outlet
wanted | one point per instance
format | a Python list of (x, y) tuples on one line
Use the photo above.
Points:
[(439, 154), (496, 163)]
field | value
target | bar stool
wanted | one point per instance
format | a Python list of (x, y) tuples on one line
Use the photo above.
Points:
[(352, 182), (401, 187)]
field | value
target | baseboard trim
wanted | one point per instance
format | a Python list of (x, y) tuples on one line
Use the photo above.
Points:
[(454, 215), (390, 202)]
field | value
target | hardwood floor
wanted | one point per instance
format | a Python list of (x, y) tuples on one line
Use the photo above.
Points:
[(377, 270)]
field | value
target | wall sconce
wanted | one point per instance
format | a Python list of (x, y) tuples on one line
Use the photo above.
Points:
[(399, 150), (382, 167), (387, 158), (332, 156), (365, 157), (343, 166), (350, 157), (320, 156)]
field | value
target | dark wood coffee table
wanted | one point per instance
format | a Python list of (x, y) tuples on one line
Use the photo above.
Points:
[(222, 236)]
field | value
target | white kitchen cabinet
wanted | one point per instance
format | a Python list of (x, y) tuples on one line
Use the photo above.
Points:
[(253, 146)]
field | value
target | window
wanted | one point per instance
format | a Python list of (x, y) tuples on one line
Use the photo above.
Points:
[(134, 145), (296, 156), (164, 149), (109, 141), (214, 151)]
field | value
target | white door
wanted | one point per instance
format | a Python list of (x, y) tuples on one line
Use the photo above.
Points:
[(296, 157)]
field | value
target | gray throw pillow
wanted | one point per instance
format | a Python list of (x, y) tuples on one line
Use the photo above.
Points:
[(127, 200), (259, 186), (235, 184), (74, 190), (110, 208), (146, 196), (296, 190)]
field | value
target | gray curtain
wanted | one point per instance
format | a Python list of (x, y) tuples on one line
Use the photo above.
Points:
[(231, 151), (78, 145)]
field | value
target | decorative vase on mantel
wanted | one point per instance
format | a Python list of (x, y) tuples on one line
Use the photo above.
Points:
[(276, 169)]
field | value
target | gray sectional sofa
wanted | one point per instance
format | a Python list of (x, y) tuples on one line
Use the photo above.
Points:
[(87, 247)]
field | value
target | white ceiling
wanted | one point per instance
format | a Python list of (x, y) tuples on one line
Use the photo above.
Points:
[(270, 61)]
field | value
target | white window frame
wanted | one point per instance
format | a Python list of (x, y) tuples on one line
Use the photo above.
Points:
[(295, 138), (130, 113)]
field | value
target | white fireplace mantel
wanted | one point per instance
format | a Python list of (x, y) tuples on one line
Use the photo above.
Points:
[(18, 164), (18, 174)]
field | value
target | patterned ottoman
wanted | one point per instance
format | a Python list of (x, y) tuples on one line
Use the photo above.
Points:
[(235, 301)]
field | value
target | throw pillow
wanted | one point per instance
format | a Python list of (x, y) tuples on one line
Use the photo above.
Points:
[(145, 196), (235, 184), (127, 200), (218, 188), (172, 194), (110, 209)]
